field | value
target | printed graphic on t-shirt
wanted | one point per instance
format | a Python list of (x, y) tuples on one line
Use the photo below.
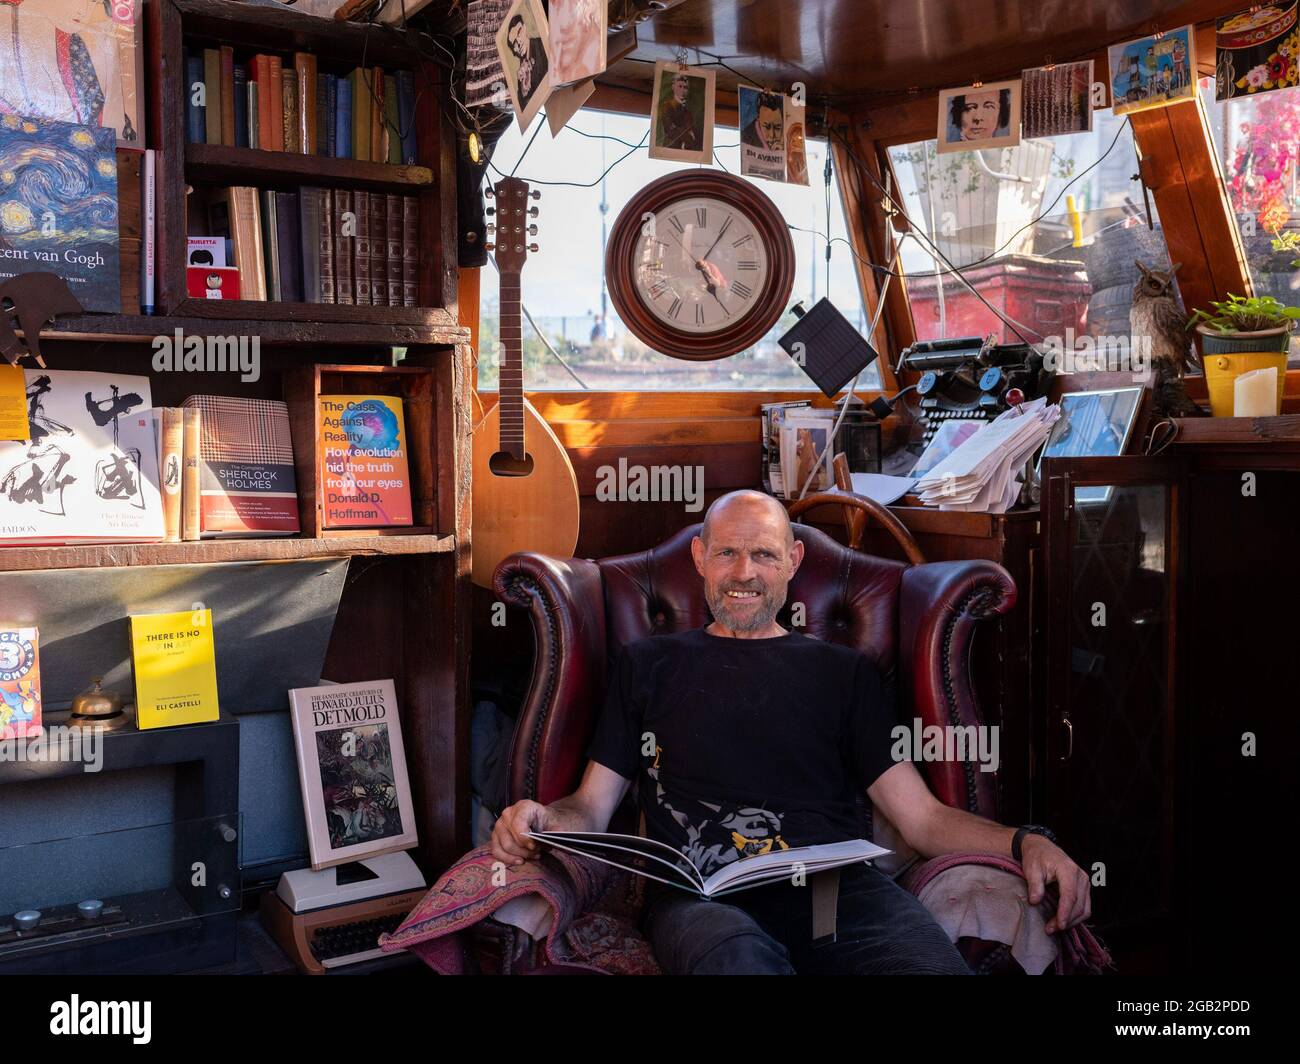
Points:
[(718, 833)]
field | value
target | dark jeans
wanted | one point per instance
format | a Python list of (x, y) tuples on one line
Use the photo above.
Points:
[(881, 930)]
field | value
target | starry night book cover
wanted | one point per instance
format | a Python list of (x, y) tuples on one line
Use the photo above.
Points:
[(58, 206)]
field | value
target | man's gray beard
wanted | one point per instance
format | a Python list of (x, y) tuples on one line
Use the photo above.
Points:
[(761, 618)]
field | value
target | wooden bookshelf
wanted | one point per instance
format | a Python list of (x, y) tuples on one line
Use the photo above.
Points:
[(204, 552), (269, 169), (436, 328), (172, 25), (404, 609)]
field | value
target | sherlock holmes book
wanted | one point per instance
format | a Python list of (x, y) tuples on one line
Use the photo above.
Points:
[(356, 795), (246, 480), (58, 206)]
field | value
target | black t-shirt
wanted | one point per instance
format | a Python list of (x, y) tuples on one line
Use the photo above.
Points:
[(741, 746)]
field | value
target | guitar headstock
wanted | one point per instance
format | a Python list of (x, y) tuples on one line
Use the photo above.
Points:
[(513, 226)]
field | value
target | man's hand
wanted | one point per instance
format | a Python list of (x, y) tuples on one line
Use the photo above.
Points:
[(510, 841), (1045, 862)]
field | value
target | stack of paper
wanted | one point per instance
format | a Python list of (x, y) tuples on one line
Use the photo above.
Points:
[(982, 473)]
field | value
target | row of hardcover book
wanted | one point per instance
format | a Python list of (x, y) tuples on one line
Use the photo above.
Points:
[(101, 464), (320, 245), (277, 104)]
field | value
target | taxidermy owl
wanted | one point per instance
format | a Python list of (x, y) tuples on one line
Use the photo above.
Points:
[(1158, 322)]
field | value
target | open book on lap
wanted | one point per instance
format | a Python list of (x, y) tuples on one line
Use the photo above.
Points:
[(659, 861)]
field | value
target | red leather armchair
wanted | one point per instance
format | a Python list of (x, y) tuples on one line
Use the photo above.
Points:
[(915, 621)]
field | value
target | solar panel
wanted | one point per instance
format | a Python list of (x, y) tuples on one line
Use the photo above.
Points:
[(827, 347)]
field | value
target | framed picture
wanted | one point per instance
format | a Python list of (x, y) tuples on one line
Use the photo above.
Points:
[(356, 795), (1094, 424), (979, 116), (1254, 51), (762, 133), (682, 126), (1153, 71), (578, 35), (524, 50), (1056, 100)]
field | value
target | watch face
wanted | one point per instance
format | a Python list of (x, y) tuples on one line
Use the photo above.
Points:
[(700, 265)]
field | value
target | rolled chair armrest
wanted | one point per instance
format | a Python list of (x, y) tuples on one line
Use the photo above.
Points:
[(941, 603), (565, 601)]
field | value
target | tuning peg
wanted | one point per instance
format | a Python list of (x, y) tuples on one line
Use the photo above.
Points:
[(488, 192), (533, 248), (490, 247), (491, 228), (536, 193), (534, 211), (532, 230), (490, 211)]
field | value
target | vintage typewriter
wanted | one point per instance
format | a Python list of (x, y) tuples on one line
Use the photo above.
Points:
[(969, 378), (333, 918)]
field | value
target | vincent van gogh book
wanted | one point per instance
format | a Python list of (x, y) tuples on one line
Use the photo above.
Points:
[(58, 206), (175, 668), (20, 682), (88, 471), (364, 473)]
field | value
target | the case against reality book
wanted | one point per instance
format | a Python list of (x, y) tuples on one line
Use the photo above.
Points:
[(356, 794)]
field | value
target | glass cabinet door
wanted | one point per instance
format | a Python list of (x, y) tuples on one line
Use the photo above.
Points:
[(1109, 762)]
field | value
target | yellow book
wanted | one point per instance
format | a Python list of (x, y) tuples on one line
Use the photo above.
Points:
[(175, 668)]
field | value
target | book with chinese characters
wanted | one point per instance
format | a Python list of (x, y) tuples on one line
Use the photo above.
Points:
[(175, 663), (88, 471), (364, 470), (660, 862)]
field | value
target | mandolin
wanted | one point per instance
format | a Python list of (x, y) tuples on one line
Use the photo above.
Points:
[(525, 496)]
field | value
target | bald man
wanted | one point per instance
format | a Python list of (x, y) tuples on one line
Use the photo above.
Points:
[(745, 738)]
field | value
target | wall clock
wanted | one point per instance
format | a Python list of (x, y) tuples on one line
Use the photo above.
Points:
[(700, 264)]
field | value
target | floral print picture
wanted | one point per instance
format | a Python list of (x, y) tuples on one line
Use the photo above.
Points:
[(1256, 51)]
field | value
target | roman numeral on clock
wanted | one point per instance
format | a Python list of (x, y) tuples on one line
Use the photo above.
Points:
[(747, 264), (659, 287), (742, 241), (677, 224), (741, 289), (676, 308), (699, 314), (702, 217)]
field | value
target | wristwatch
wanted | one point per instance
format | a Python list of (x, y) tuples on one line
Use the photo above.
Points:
[(1028, 829)]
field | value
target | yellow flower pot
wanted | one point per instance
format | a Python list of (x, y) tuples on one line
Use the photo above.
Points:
[(1221, 371)]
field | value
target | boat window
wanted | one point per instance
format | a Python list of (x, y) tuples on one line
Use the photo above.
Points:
[(1045, 234), (1257, 136), (563, 287)]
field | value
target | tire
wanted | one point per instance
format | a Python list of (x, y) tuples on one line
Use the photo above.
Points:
[(1112, 260), (1108, 311)]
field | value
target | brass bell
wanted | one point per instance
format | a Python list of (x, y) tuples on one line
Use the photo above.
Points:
[(97, 709), (96, 702)]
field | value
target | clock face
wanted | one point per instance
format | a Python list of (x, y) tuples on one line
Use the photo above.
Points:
[(699, 265)]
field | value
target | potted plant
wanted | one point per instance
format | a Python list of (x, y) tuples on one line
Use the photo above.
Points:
[(1242, 335), (1238, 324)]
